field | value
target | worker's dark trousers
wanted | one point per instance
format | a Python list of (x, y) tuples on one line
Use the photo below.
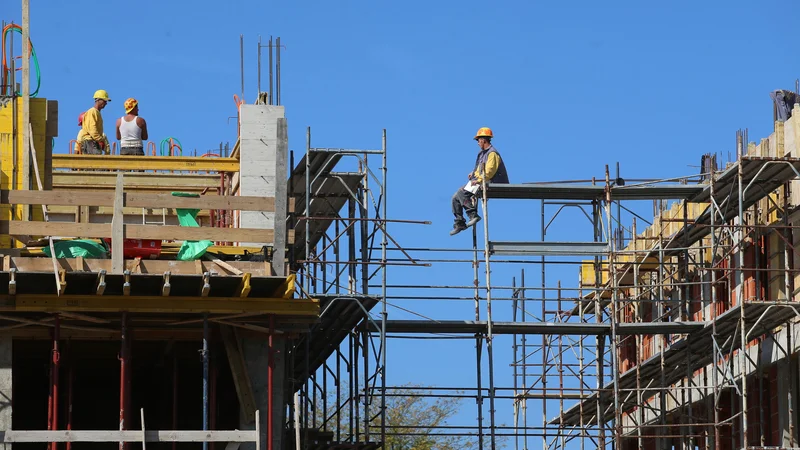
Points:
[(464, 200)]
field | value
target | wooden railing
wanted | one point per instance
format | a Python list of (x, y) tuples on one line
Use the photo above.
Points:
[(117, 230)]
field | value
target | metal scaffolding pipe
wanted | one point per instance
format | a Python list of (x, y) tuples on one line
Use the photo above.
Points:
[(270, 370), (204, 354), (52, 407), (123, 377)]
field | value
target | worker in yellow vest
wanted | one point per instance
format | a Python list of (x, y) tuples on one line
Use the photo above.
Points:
[(489, 167), (91, 139)]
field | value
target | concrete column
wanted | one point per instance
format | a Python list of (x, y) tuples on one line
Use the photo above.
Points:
[(264, 152), (5, 386), (256, 356)]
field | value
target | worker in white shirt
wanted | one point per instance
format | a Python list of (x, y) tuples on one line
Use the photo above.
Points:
[(131, 130)]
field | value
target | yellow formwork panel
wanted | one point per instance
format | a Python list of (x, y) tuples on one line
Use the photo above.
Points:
[(11, 158), (777, 281), (588, 277)]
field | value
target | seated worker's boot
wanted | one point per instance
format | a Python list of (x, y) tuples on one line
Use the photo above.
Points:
[(458, 227), (473, 219)]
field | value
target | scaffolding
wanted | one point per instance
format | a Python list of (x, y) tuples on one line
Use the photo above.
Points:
[(339, 367), (672, 336)]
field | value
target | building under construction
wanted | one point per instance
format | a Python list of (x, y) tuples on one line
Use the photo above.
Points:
[(243, 296)]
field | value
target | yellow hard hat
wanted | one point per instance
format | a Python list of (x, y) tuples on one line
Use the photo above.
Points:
[(102, 95), (484, 132)]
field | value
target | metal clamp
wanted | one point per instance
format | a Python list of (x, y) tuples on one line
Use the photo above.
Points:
[(101, 282)]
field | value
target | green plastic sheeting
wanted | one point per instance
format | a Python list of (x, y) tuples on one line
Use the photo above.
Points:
[(73, 249), (190, 250)]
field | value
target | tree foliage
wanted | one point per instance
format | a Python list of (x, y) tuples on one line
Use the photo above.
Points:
[(415, 420)]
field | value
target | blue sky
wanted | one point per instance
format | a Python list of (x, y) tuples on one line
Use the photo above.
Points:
[(567, 87)]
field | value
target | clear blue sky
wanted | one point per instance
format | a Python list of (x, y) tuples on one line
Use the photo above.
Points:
[(567, 87)]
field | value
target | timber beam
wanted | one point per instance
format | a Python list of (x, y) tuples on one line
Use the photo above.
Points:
[(168, 163), (158, 304)]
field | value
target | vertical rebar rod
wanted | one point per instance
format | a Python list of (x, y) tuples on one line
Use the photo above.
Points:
[(259, 66), (278, 70), (271, 93), (241, 61), (204, 355)]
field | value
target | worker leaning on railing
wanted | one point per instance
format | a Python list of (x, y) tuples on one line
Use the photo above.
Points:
[(91, 140)]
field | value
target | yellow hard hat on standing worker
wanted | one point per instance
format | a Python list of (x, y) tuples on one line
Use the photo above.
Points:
[(102, 95)]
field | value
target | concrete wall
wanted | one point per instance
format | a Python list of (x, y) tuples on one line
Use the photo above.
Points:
[(264, 152)]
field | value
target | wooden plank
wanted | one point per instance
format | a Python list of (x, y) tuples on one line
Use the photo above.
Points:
[(58, 198), (136, 181), (241, 379), (168, 232), (117, 230), (223, 264), (19, 436), (120, 162), (138, 200), (241, 203), (157, 304)]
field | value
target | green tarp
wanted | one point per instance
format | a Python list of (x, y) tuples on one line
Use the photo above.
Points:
[(75, 248), (190, 250)]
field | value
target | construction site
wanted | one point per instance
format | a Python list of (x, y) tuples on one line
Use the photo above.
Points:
[(250, 297)]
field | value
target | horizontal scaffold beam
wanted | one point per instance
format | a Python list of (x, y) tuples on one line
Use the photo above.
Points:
[(548, 248), (120, 162), (567, 191), (575, 329)]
